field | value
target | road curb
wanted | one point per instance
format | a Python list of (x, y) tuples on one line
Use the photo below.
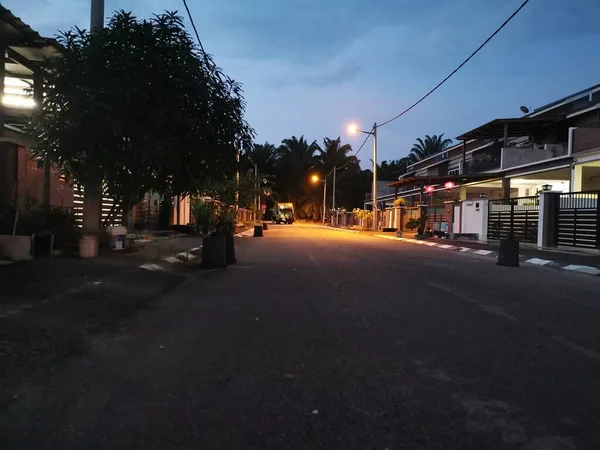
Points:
[(588, 270)]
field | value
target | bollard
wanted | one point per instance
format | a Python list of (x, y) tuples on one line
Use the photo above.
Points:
[(258, 231), (265, 226), (508, 253)]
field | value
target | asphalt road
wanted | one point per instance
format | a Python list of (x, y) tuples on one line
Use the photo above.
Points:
[(324, 339)]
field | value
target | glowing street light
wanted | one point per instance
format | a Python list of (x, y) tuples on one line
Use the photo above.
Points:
[(353, 129), (316, 179)]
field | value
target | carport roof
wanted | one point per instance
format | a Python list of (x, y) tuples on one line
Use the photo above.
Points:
[(523, 126), (441, 179)]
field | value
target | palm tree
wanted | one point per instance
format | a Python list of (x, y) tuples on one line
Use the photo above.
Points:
[(334, 154), (429, 146), (264, 156), (295, 159)]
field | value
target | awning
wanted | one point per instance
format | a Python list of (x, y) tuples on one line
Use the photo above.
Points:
[(523, 126), (441, 179)]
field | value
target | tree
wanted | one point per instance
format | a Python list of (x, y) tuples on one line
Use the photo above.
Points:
[(429, 146), (296, 158), (138, 107)]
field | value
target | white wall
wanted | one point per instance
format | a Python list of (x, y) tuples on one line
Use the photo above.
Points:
[(474, 217)]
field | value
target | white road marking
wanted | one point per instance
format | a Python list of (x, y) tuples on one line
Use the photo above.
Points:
[(585, 269), (153, 267), (538, 261), (445, 246), (464, 249), (172, 259), (431, 244), (482, 252), (187, 256)]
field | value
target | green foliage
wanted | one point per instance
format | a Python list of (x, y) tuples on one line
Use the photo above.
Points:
[(203, 213), (428, 146), (418, 224), (37, 219), (400, 201), (137, 105)]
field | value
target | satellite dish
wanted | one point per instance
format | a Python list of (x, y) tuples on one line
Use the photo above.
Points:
[(525, 109)]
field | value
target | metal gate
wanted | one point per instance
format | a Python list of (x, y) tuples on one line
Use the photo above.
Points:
[(435, 215), (514, 217), (406, 214), (578, 220)]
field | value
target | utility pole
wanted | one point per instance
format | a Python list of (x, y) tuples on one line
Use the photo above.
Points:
[(92, 194), (334, 171), (324, 199), (97, 16), (374, 194)]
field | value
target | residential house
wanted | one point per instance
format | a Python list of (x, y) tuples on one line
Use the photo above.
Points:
[(557, 145), (23, 53)]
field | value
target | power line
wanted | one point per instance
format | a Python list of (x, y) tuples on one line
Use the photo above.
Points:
[(459, 67), (194, 26)]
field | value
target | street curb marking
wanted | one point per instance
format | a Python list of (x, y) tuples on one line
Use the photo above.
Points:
[(173, 259), (246, 233), (588, 270), (347, 230)]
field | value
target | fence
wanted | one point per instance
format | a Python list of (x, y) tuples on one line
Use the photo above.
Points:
[(244, 215), (111, 214), (578, 220), (514, 217)]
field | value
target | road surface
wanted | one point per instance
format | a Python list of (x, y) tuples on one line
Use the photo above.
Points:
[(325, 339)]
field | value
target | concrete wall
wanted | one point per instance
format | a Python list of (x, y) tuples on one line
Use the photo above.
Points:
[(514, 157)]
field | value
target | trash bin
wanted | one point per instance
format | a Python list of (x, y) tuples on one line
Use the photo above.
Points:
[(118, 236), (88, 246)]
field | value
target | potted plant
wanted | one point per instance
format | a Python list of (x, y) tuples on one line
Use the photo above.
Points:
[(203, 215), (214, 247), (418, 224), (226, 227)]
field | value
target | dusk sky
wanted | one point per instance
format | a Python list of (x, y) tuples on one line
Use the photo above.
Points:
[(309, 67)]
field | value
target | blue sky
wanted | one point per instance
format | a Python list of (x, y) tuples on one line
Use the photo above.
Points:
[(310, 67)]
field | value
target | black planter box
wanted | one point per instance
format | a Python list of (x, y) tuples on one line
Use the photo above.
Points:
[(508, 254)]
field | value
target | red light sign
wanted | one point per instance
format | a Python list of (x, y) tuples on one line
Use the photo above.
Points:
[(429, 189), (449, 185)]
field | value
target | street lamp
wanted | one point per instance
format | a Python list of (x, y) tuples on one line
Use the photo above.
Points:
[(353, 129), (316, 179)]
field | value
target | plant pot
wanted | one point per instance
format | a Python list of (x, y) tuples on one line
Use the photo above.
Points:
[(258, 231), (265, 226), (214, 252), (230, 248), (15, 248), (399, 234), (88, 246), (508, 253)]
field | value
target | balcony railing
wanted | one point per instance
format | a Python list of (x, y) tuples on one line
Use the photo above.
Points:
[(531, 153)]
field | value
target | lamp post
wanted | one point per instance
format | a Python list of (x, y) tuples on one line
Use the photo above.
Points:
[(316, 179), (354, 129)]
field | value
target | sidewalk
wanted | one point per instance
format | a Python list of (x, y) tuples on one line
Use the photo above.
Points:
[(575, 260), (572, 259)]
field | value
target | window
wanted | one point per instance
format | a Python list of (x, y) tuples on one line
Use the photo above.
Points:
[(453, 172)]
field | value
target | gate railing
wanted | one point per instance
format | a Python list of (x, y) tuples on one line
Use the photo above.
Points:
[(514, 218), (578, 219)]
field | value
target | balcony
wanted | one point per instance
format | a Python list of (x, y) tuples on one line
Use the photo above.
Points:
[(531, 152)]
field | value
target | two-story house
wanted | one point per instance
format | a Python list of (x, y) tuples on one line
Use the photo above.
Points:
[(23, 52), (557, 145)]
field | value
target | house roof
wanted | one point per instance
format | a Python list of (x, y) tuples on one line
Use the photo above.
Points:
[(26, 48), (564, 99), (441, 179), (522, 126)]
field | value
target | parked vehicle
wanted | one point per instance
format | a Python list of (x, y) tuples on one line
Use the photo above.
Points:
[(283, 213)]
